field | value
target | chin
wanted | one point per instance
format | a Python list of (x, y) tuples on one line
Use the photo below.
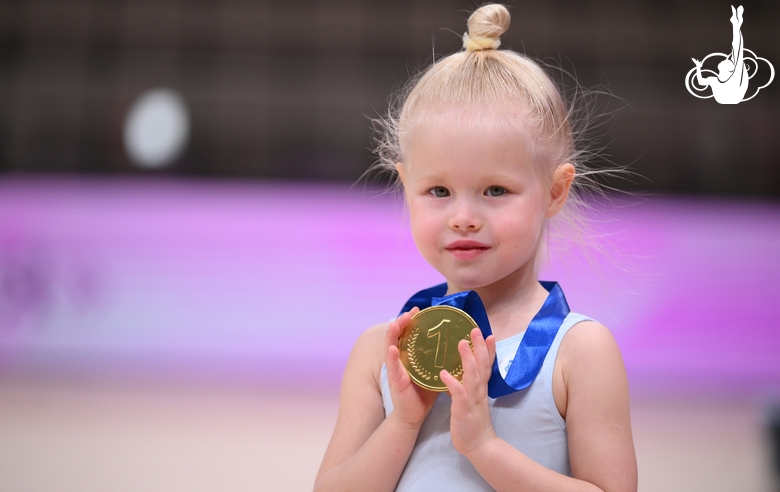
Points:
[(468, 283)]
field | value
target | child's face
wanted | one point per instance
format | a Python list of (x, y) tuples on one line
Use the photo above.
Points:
[(476, 204)]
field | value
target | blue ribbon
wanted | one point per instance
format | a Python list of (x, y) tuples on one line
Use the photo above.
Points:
[(535, 344)]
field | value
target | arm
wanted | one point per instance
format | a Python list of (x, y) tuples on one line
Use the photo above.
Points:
[(601, 450), (598, 422), (368, 451), (701, 80)]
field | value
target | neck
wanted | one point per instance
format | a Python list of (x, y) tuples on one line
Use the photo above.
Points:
[(512, 302)]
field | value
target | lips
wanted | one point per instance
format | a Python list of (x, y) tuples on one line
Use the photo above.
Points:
[(466, 249)]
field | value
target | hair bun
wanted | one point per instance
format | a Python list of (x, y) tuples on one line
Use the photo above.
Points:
[(486, 25)]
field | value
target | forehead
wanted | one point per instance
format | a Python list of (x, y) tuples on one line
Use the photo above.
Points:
[(494, 117), (491, 136)]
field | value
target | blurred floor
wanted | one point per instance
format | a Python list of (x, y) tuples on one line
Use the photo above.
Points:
[(77, 438), (708, 444), (142, 439)]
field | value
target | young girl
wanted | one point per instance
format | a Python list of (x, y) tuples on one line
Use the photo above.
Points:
[(484, 151)]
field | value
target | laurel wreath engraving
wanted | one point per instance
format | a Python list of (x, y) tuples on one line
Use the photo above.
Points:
[(413, 361)]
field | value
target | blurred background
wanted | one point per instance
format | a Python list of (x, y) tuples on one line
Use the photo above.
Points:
[(185, 262)]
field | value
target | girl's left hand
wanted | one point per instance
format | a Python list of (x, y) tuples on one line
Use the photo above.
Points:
[(470, 424)]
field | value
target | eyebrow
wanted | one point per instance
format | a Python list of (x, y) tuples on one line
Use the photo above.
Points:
[(489, 177)]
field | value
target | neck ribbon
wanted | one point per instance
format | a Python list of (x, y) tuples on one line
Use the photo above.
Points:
[(535, 344)]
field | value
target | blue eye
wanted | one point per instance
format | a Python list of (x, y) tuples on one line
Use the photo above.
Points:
[(495, 191), (439, 192)]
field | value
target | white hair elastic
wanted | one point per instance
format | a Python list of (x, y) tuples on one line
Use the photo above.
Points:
[(479, 43)]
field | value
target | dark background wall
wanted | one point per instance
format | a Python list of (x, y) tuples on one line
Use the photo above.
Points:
[(283, 89)]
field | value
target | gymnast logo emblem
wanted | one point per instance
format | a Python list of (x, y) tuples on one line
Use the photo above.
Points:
[(730, 84)]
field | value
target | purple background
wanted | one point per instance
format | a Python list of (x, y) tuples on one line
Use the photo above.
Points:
[(274, 281)]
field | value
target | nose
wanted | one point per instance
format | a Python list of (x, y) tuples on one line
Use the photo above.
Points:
[(465, 216)]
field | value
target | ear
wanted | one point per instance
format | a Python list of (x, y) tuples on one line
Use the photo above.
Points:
[(399, 168), (559, 191)]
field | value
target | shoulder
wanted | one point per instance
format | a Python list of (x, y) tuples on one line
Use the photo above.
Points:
[(372, 339), (589, 350), (376, 332), (588, 340), (368, 353), (361, 388), (588, 357)]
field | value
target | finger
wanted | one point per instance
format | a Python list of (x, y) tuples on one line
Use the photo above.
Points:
[(408, 315), (393, 360), (393, 331), (454, 388), (397, 325), (479, 348), (471, 375), (396, 373), (491, 346)]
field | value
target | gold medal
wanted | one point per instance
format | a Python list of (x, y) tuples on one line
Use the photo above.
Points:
[(429, 343)]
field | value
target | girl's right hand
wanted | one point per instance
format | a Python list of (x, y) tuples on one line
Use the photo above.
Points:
[(411, 403)]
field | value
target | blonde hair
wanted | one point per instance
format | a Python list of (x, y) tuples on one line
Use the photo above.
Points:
[(479, 76)]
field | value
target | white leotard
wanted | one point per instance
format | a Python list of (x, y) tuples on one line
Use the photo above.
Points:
[(527, 419)]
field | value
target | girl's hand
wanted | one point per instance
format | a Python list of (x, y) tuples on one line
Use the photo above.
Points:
[(411, 403), (470, 423)]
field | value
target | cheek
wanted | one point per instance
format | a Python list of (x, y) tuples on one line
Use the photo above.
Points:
[(523, 226), (422, 223), (426, 227)]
